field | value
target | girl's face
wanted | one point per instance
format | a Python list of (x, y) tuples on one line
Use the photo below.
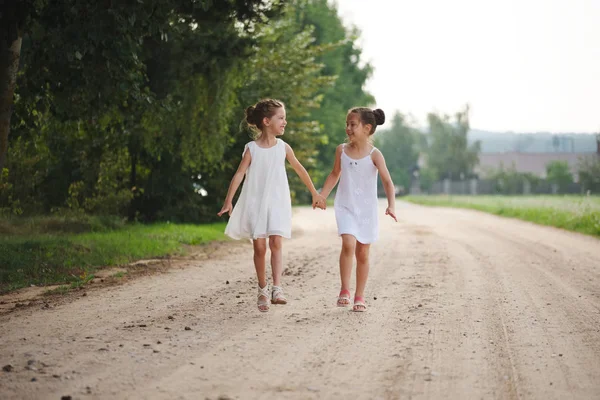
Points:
[(276, 124), (355, 129)]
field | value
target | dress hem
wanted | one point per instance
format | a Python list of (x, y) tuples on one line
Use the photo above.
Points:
[(357, 238), (262, 236)]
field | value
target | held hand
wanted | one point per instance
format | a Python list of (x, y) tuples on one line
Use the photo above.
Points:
[(322, 204), (391, 212), (319, 201), (227, 207)]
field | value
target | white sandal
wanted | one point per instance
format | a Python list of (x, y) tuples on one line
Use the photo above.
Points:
[(277, 296), (263, 298)]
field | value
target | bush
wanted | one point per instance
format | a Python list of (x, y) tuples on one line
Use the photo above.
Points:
[(589, 174)]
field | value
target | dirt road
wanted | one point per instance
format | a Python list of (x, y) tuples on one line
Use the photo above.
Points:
[(462, 305)]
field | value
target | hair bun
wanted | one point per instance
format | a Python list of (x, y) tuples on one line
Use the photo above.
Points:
[(250, 117), (379, 116)]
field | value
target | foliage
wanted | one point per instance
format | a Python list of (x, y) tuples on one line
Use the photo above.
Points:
[(427, 177), (343, 62), (107, 121), (559, 173), (589, 174), (134, 108), (449, 152), (510, 181), (398, 144)]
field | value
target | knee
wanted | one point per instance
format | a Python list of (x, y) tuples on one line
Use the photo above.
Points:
[(260, 250), (275, 243), (362, 256), (347, 249)]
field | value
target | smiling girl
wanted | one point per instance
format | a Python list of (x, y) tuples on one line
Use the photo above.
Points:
[(264, 208), (357, 164)]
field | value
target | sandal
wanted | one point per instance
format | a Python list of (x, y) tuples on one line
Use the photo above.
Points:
[(343, 298), (263, 296), (277, 296), (359, 304)]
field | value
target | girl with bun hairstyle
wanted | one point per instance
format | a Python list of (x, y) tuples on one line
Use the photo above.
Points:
[(264, 208), (356, 166)]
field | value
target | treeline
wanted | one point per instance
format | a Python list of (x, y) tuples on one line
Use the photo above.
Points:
[(444, 147), (134, 108), (444, 151)]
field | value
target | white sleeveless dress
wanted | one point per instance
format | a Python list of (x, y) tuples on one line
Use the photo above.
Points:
[(264, 207), (356, 199)]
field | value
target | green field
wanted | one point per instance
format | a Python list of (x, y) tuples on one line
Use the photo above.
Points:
[(574, 213), (31, 258)]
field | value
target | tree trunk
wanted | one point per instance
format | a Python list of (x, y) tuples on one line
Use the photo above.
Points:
[(133, 154), (10, 54)]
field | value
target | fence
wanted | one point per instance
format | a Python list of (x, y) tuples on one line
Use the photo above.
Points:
[(499, 186)]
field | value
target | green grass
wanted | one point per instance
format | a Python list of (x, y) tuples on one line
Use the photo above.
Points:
[(574, 213), (44, 259), (58, 224)]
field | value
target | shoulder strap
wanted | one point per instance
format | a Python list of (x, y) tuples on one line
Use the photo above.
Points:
[(372, 150)]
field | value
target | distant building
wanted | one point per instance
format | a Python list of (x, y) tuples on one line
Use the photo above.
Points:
[(534, 163)]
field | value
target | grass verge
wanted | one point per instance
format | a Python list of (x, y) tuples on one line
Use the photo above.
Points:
[(44, 259), (574, 213)]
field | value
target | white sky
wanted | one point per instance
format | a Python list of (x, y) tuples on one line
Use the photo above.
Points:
[(522, 65)]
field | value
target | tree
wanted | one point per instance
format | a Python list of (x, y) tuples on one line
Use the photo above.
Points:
[(285, 67), (559, 173), (13, 15), (343, 62), (100, 83), (398, 144), (507, 180), (589, 173), (88, 55), (449, 152)]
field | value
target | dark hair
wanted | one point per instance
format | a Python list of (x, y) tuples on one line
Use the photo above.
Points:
[(256, 113), (368, 116)]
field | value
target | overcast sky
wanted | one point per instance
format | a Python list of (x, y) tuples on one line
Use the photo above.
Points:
[(522, 65)]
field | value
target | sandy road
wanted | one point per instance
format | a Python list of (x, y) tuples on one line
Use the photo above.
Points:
[(462, 305)]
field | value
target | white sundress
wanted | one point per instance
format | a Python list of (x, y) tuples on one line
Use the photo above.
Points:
[(264, 207), (356, 199)]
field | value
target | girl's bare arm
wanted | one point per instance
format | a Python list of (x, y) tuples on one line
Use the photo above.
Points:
[(237, 179), (388, 185), (334, 176), (317, 199)]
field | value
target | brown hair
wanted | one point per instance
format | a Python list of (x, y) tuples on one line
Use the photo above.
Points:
[(368, 116), (256, 113)]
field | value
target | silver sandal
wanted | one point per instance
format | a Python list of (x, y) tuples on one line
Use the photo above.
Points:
[(277, 296), (263, 298)]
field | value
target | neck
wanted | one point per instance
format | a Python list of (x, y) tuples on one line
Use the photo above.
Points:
[(360, 145), (267, 139)]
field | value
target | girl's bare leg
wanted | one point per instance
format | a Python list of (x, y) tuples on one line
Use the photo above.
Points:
[(346, 260), (260, 250), (362, 268), (275, 244)]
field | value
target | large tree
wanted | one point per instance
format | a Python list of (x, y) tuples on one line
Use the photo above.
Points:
[(100, 80), (344, 62), (88, 55), (449, 153), (13, 17)]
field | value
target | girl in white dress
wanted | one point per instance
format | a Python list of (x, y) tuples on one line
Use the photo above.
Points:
[(357, 164), (264, 208)]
